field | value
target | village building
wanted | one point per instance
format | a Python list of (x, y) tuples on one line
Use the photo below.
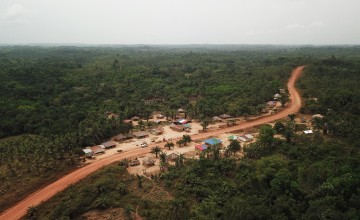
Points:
[(148, 161), (176, 127), (232, 137), (308, 132), (271, 104), (88, 152), (243, 138), (160, 116), (201, 147), (249, 136), (180, 110), (140, 134), (277, 96), (212, 142), (109, 144), (317, 116), (225, 116), (181, 121), (97, 149), (157, 131), (122, 137), (216, 119), (172, 156), (135, 162)]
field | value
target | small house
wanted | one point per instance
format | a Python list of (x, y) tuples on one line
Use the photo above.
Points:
[(180, 110), (216, 119), (177, 127), (249, 136), (133, 163), (172, 156), (243, 138), (109, 144), (308, 132), (201, 147), (157, 131), (88, 152), (318, 116), (160, 116), (277, 96), (122, 137), (148, 161), (182, 121), (271, 104), (232, 137), (224, 116), (97, 149), (212, 141), (140, 134)]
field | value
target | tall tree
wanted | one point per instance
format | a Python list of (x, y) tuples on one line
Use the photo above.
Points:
[(155, 150)]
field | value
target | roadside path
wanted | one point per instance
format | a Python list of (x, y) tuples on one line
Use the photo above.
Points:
[(20, 209)]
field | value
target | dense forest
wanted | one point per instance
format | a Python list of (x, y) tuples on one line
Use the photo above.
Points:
[(56, 100)]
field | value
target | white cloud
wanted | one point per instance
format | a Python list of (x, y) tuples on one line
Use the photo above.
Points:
[(16, 10)]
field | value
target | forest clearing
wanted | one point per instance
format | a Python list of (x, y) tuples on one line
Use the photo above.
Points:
[(17, 211)]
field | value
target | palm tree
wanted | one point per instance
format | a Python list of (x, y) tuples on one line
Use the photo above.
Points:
[(121, 188), (139, 180), (186, 139), (169, 145), (155, 150), (178, 208), (292, 117), (127, 211), (163, 160), (180, 160), (180, 142)]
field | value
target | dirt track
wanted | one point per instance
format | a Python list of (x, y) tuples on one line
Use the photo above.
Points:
[(20, 209)]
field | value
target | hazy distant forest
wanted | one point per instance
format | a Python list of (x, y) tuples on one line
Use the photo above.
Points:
[(54, 100)]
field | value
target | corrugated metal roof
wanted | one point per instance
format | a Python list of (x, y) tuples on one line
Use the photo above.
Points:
[(212, 141), (201, 147), (87, 151)]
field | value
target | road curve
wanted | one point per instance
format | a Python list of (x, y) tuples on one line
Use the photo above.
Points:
[(20, 209)]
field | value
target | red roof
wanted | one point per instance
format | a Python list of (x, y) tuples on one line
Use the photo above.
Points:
[(201, 147)]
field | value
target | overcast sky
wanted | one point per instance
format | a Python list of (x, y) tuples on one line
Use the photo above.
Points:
[(180, 21)]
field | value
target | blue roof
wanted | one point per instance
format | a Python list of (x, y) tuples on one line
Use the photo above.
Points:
[(212, 141)]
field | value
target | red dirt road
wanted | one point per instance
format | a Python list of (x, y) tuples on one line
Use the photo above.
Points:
[(20, 209)]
